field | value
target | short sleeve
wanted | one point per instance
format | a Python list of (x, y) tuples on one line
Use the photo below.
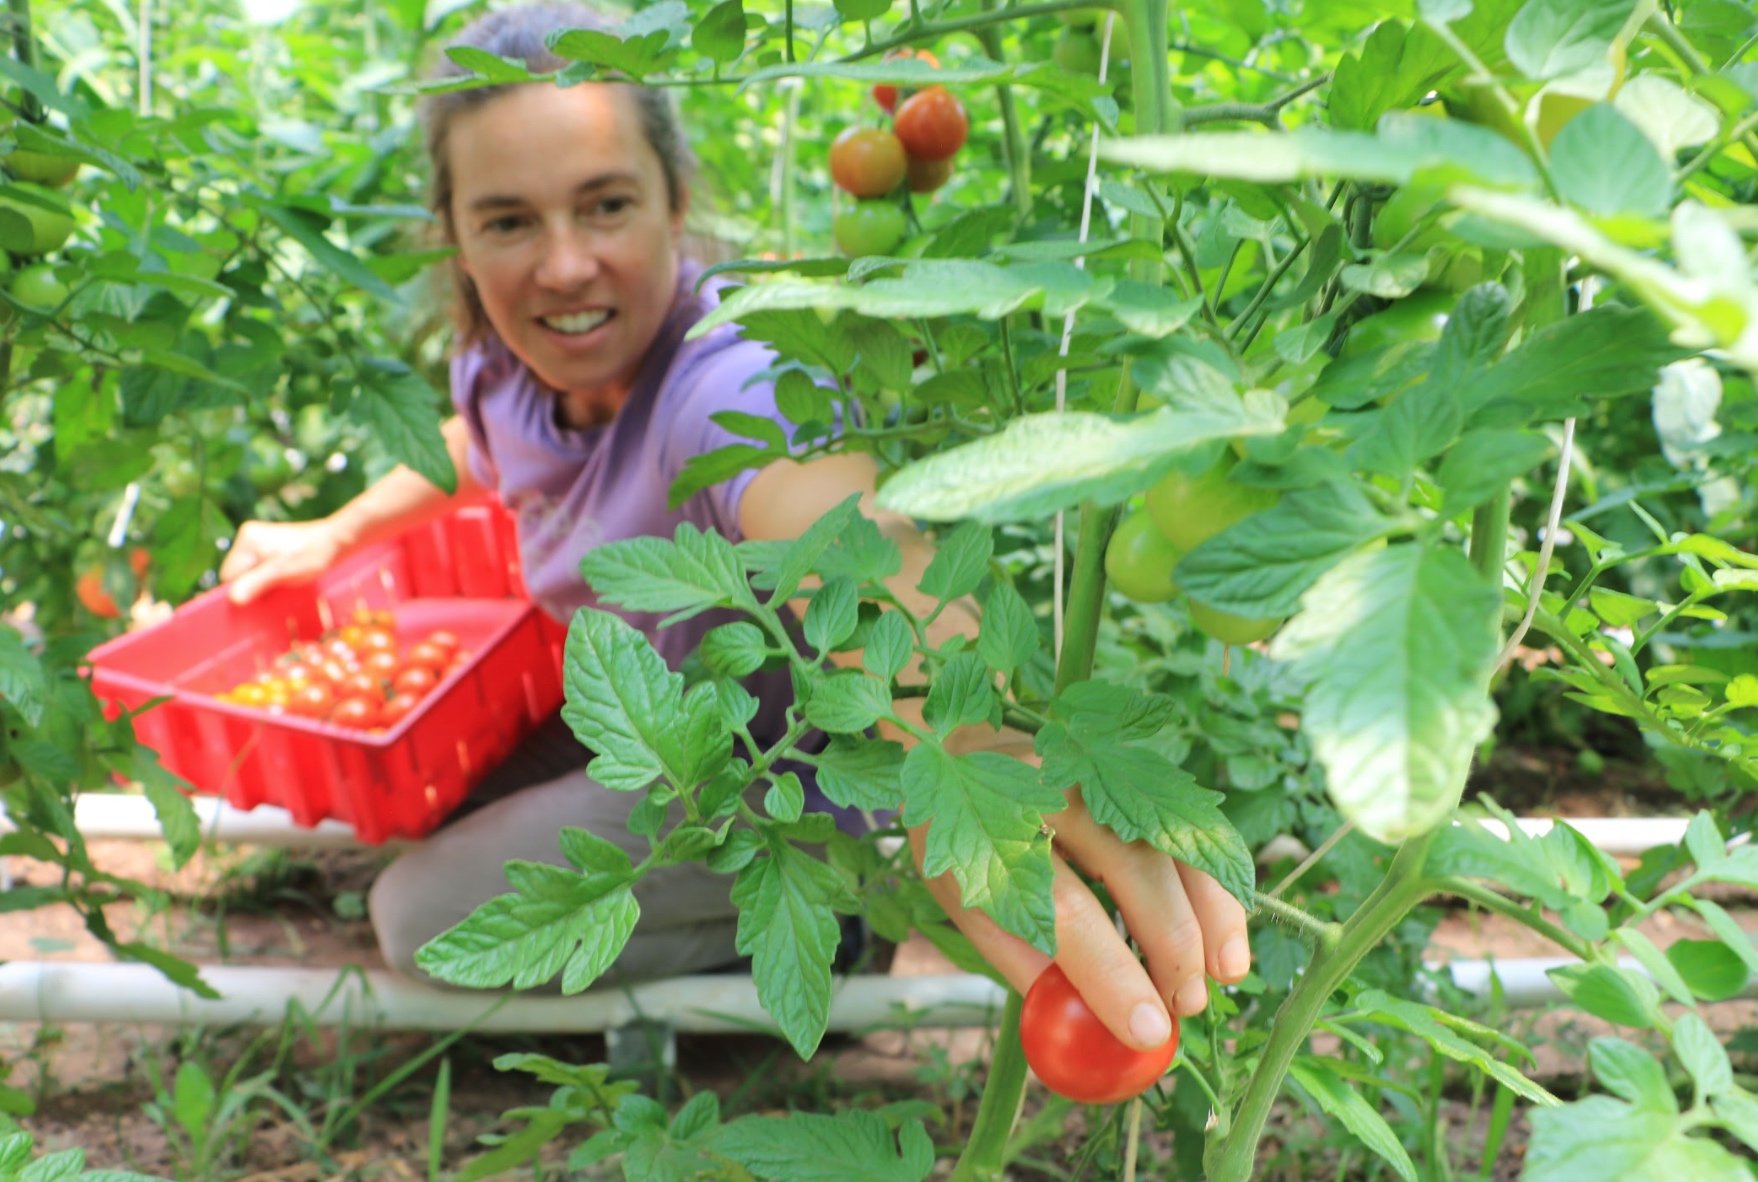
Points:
[(731, 378), (469, 376)]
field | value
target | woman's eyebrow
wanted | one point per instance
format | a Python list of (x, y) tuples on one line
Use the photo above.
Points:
[(490, 201)]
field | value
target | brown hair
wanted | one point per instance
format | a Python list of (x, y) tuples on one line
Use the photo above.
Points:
[(519, 33)]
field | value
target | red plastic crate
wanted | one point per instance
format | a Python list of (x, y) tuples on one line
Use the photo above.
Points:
[(460, 572)]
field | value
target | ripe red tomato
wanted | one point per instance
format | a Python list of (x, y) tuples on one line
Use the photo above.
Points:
[(884, 93), (397, 709), (360, 684), (869, 227), (89, 590), (442, 639), (927, 175), (357, 713), (381, 663), (931, 124), (422, 655), (313, 699), (1075, 1055), (867, 161), (416, 680)]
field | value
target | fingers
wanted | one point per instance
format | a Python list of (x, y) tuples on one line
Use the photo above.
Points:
[(1103, 969), (1185, 923), (1009, 955)]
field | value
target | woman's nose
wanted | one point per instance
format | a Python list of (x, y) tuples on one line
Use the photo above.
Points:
[(569, 258)]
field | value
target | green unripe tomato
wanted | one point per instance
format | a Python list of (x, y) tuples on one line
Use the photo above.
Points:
[(1076, 51), (869, 227), (49, 226), (1230, 629), (37, 287), (1192, 509), (1139, 560), (42, 168), (1419, 316)]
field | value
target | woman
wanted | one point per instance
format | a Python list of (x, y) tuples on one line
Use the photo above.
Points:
[(578, 401)]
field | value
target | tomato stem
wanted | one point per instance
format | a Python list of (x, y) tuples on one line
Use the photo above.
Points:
[(1013, 143), (985, 1154), (1229, 1157), (1489, 535)]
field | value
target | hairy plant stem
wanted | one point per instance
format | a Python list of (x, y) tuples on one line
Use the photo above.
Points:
[(1013, 141), (1499, 903), (984, 1153), (1230, 1154)]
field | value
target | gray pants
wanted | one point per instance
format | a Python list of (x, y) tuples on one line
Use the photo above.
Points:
[(687, 920)]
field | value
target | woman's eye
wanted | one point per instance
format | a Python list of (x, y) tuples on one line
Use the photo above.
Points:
[(612, 206), (506, 224)]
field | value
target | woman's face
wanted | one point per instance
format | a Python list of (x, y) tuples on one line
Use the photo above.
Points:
[(564, 225)]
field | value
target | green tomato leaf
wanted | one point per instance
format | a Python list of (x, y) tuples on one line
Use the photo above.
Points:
[(557, 920), (402, 412), (1044, 462), (1098, 739), (1551, 38), (736, 649), (1434, 1027), (1615, 994), (787, 925), (890, 646), (1009, 637), (802, 556), (1339, 1099), (960, 562), (1483, 461), (832, 615), (1395, 68), (987, 813), (1738, 1112), (1397, 646), (1605, 353), (308, 231), (622, 699), (21, 676), (861, 773), (962, 694), (171, 804), (1632, 1073), (693, 572), (847, 703), (1704, 1057), (1714, 971), (1605, 1138), (1604, 164), (852, 1146), (720, 35)]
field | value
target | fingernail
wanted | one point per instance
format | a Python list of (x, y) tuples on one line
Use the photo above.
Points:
[(1149, 1025), (1191, 997), (1235, 958)]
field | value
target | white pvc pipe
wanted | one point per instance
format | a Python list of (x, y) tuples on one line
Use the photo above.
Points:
[(114, 816), (64, 992), (117, 816)]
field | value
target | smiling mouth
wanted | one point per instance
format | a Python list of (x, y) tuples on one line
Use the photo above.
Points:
[(576, 323)]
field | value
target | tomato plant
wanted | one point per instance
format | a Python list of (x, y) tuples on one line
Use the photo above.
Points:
[(884, 93), (1139, 559), (867, 161)]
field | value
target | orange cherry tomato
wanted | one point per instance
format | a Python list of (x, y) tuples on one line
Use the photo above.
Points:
[(398, 708), (313, 699), (416, 680), (361, 684), (357, 713), (885, 94), (376, 639), (426, 656), (381, 663), (444, 640)]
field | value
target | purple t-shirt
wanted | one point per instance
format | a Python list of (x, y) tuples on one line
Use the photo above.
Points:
[(572, 490)]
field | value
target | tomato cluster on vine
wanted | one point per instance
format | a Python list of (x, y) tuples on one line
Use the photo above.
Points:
[(1181, 512), (357, 676), (928, 127)]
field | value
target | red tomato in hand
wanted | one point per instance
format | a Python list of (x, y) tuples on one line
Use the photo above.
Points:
[(1075, 1055), (932, 124), (867, 161)]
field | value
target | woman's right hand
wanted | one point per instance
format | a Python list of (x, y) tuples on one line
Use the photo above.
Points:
[(267, 554)]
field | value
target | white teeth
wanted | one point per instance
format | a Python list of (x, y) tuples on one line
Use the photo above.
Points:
[(577, 322)]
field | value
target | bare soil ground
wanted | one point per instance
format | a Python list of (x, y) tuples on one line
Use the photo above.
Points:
[(96, 1085)]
